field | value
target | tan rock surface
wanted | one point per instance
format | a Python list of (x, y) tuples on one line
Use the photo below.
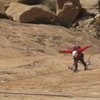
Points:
[(30, 63), (91, 6)]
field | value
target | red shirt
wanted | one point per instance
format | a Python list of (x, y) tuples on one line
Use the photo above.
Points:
[(71, 50)]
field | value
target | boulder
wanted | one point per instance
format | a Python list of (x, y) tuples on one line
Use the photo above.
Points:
[(67, 14), (60, 4), (25, 13), (91, 6), (4, 4)]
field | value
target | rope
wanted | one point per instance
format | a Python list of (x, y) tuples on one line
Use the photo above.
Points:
[(51, 95)]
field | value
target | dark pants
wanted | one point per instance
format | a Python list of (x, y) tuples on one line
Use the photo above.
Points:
[(76, 60)]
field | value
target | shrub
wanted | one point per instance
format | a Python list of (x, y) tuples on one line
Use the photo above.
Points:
[(98, 21), (97, 26), (2, 6), (50, 3)]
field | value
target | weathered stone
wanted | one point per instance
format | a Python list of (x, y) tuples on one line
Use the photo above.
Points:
[(4, 4), (60, 4), (91, 6), (25, 13), (67, 14)]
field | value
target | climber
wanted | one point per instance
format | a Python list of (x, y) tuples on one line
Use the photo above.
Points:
[(77, 53)]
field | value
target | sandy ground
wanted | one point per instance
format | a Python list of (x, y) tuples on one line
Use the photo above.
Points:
[(32, 69), (48, 75)]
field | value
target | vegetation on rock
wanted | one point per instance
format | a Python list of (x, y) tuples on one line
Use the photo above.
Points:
[(97, 26), (50, 3)]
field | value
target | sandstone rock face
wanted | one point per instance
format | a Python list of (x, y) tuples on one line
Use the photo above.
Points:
[(67, 14), (25, 13), (91, 6)]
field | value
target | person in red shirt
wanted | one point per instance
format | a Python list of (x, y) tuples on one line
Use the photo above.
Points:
[(77, 53)]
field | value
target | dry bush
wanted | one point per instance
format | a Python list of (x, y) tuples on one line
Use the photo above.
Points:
[(97, 26), (50, 3), (2, 6)]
